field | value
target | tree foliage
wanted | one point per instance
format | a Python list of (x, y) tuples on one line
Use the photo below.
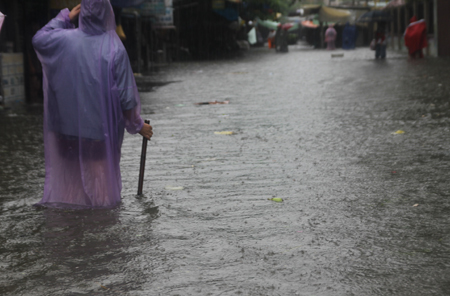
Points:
[(266, 9)]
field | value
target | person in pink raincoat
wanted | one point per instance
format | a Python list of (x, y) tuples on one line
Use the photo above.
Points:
[(330, 37), (90, 98)]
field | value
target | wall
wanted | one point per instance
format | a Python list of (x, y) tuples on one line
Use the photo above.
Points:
[(443, 22), (12, 78)]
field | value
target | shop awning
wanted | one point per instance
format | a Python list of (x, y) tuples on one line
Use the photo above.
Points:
[(268, 24), (395, 4), (309, 24), (333, 15), (311, 8), (290, 27)]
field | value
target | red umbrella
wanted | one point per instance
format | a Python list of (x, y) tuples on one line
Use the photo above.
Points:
[(309, 24), (287, 26)]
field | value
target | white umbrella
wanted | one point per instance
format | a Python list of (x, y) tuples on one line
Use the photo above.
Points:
[(2, 18)]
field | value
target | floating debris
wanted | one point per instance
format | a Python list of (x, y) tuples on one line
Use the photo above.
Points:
[(174, 187), (209, 159), (276, 199), (398, 132), (337, 55), (224, 133), (416, 205), (213, 103)]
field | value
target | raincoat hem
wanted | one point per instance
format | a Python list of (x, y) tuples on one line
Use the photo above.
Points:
[(67, 206)]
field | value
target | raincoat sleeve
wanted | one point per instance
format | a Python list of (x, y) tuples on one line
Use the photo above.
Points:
[(128, 93), (43, 37)]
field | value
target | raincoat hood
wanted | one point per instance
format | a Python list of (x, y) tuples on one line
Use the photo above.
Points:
[(96, 17)]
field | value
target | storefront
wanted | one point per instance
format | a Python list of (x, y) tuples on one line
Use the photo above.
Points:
[(21, 73), (435, 14)]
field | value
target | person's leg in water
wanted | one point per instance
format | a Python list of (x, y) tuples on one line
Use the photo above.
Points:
[(420, 54), (383, 51), (416, 55)]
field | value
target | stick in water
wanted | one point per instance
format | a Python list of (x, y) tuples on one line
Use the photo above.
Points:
[(142, 167)]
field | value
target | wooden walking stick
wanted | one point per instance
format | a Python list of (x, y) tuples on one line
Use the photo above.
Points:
[(142, 167)]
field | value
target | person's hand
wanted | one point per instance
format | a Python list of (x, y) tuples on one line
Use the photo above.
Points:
[(74, 13), (146, 131)]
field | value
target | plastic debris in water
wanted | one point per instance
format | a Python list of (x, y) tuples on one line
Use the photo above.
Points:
[(416, 205), (398, 132), (224, 133), (213, 103), (277, 199), (174, 187)]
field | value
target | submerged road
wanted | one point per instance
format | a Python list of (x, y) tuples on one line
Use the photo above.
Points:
[(357, 148)]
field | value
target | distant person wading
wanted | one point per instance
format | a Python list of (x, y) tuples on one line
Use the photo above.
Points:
[(330, 37), (416, 37)]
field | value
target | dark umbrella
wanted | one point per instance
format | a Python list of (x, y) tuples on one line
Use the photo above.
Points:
[(374, 16), (126, 3)]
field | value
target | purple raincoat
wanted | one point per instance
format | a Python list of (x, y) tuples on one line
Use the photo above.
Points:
[(90, 96)]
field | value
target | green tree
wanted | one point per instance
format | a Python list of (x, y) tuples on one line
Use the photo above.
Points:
[(267, 9)]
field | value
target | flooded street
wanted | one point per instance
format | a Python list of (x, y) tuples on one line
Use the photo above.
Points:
[(366, 208)]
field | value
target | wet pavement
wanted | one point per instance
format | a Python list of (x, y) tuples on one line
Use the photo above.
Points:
[(366, 211)]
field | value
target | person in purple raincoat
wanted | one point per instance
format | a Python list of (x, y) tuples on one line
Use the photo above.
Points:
[(90, 98)]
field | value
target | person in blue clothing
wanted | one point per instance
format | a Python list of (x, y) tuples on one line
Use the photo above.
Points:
[(349, 35)]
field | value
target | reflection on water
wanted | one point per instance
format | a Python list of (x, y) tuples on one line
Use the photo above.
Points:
[(81, 244), (76, 236), (56, 252)]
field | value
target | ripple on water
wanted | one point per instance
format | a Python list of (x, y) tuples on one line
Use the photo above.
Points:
[(312, 130)]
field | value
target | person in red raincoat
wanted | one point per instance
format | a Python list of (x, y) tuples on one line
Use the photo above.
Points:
[(416, 37)]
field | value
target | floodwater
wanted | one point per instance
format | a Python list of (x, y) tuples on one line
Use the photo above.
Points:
[(365, 211)]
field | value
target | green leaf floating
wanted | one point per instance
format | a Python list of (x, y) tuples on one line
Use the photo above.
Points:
[(277, 199)]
